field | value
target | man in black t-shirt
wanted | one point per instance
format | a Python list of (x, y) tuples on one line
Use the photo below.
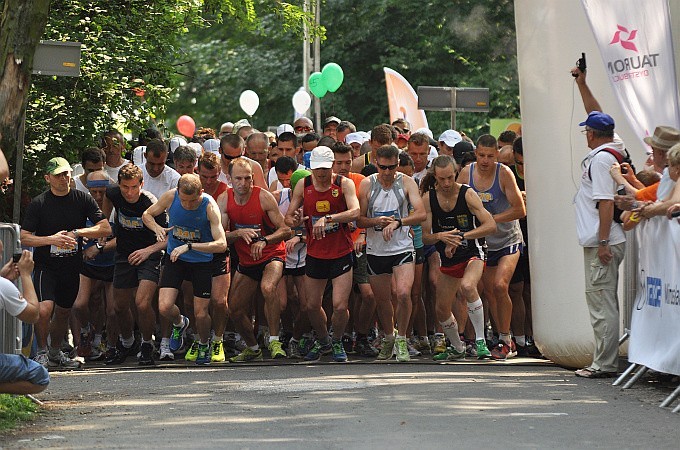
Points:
[(138, 258), (54, 224)]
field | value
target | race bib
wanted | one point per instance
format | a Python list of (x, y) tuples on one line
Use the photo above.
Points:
[(60, 252), (393, 213)]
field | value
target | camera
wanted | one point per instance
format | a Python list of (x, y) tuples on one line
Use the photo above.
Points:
[(16, 257), (581, 64)]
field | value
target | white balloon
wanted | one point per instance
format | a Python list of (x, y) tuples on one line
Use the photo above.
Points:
[(249, 102), (301, 101)]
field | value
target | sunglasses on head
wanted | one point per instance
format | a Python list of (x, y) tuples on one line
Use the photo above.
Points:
[(390, 167)]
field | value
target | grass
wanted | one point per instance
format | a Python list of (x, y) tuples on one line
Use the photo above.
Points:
[(14, 409)]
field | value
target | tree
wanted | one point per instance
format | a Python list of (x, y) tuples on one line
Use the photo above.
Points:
[(130, 63)]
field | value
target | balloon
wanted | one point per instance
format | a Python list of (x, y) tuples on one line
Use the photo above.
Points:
[(301, 101), (317, 85), (186, 126), (249, 102), (332, 76)]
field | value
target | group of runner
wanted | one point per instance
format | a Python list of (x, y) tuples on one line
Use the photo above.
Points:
[(302, 253)]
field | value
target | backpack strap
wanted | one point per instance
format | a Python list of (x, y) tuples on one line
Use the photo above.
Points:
[(619, 157)]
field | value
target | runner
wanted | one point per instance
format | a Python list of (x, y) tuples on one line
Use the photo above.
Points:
[(257, 230), (195, 235), (329, 203), (385, 198), (456, 224)]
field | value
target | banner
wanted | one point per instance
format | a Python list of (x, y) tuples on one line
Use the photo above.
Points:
[(634, 38), (654, 337), (403, 100)]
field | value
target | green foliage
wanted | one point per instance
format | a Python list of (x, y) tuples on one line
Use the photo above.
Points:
[(434, 43), (14, 409), (129, 47)]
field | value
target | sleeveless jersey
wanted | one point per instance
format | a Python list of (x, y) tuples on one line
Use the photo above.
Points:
[(390, 202), (459, 217), (495, 201), (251, 215), (298, 256), (190, 226), (338, 240)]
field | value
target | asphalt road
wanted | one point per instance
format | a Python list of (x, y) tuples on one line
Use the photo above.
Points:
[(521, 403)]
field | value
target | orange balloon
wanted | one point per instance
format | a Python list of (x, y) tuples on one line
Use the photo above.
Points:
[(186, 126)]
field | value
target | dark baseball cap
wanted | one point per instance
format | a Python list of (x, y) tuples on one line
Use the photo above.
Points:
[(461, 148), (599, 121)]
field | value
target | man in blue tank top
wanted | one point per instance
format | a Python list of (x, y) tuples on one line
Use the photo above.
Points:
[(496, 186), (194, 235)]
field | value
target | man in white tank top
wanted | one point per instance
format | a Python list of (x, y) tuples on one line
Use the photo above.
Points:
[(384, 199)]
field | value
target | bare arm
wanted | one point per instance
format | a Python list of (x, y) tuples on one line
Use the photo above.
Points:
[(487, 223), (293, 216), (363, 221), (258, 176), (31, 313), (418, 214), (517, 210), (661, 208), (589, 101), (428, 237), (352, 201), (270, 208), (464, 175), (148, 216)]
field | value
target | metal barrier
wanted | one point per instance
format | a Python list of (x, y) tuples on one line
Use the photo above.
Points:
[(10, 327)]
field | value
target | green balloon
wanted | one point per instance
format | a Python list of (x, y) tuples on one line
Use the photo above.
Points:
[(317, 85), (332, 76)]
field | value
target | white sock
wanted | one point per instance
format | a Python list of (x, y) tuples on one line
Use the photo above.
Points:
[(127, 342), (521, 340), (450, 328), (273, 338), (476, 315)]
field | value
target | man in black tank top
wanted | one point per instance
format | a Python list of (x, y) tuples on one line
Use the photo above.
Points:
[(456, 224)]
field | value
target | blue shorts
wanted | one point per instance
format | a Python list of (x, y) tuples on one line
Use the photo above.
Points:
[(15, 368), (493, 257)]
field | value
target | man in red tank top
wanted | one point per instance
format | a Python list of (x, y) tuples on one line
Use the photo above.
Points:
[(329, 203), (255, 226)]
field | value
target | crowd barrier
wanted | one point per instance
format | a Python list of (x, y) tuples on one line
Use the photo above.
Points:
[(10, 327)]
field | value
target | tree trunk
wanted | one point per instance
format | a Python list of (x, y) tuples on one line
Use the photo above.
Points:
[(23, 23)]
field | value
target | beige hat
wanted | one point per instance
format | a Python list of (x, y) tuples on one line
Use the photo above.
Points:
[(664, 138)]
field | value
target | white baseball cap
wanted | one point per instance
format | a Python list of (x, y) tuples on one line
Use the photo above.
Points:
[(450, 138), (355, 137), (284, 128), (321, 158), (212, 145)]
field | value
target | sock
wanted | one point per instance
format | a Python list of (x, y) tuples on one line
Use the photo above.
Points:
[(521, 340), (273, 338), (401, 337), (505, 338), (476, 315), (451, 331), (127, 342), (150, 341), (254, 347), (181, 322), (203, 344), (165, 341)]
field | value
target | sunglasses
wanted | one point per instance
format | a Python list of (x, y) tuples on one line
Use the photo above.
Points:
[(390, 167), (302, 129), (227, 157)]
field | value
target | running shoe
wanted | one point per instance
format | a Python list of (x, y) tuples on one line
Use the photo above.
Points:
[(276, 350), (422, 344), (339, 354), (192, 353), (203, 355), (412, 350), (42, 359), (246, 355), (317, 350), (62, 361), (482, 352), (451, 354), (217, 351), (177, 335), (401, 346), (306, 344), (364, 348), (387, 348), (439, 343), (68, 349), (146, 356), (119, 355), (502, 352), (348, 343), (165, 352), (294, 349)]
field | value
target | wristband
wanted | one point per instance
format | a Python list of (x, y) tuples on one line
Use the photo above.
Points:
[(398, 226), (189, 245)]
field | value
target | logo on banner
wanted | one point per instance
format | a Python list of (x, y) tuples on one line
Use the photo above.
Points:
[(626, 43), (630, 67), (654, 292)]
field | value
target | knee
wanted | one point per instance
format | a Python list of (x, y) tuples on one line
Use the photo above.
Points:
[(268, 289), (500, 289), (468, 290)]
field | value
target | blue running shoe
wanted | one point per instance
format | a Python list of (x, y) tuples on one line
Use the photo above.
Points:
[(204, 356), (177, 335), (339, 354), (317, 350)]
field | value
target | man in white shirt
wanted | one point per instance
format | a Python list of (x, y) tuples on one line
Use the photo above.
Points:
[(159, 178), (18, 374)]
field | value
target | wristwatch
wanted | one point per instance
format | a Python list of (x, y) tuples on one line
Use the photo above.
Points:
[(461, 234), (75, 233), (329, 218), (189, 245), (604, 242), (100, 247)]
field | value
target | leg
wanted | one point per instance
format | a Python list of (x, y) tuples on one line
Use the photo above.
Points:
[(243, 290), (311, 306), (81, 307), (403, 275), (203, 321), (146, 319), (383, 301), (121, 304), (342, 287), (218, 299), (269, 287)]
